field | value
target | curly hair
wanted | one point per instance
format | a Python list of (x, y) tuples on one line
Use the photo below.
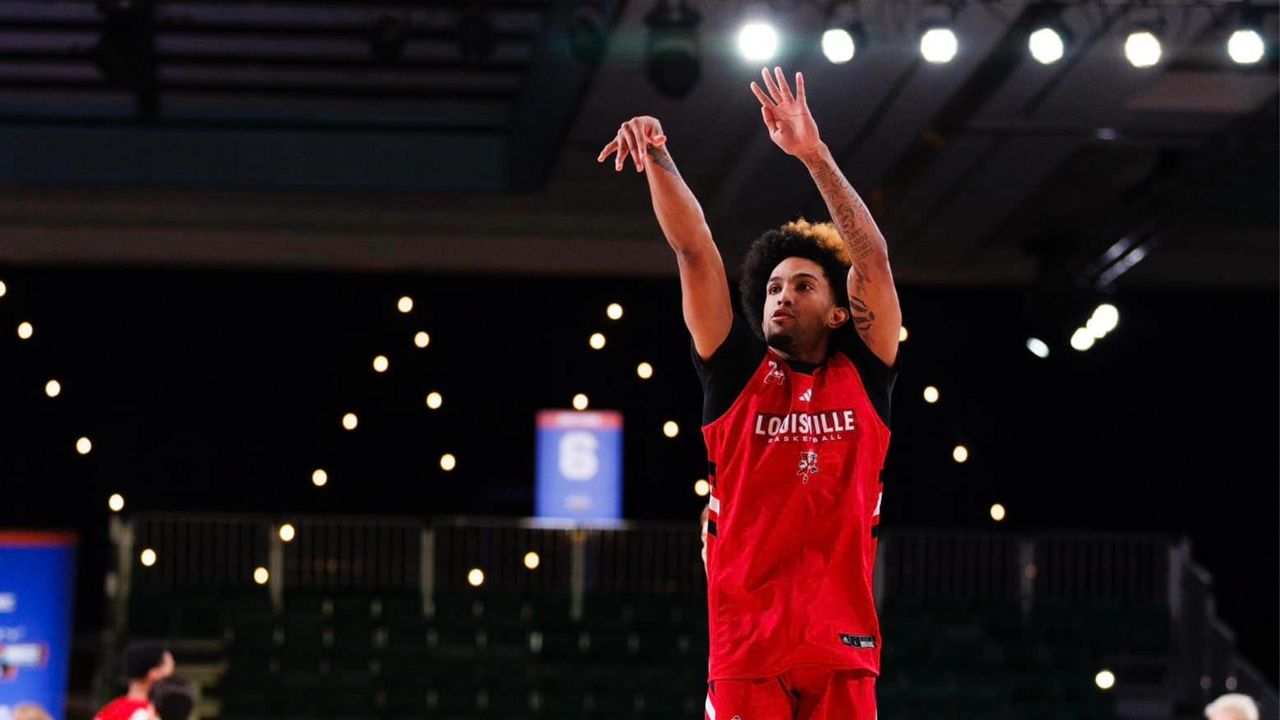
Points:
[(819, 242)]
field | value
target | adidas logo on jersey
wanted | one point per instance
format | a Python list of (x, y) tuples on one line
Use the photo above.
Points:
[(807, 395)]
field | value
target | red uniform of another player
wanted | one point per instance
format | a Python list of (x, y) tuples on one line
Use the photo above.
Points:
[(145, 664), (125, 708)]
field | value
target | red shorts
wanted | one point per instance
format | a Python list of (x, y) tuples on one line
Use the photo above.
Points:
[(805, 694)]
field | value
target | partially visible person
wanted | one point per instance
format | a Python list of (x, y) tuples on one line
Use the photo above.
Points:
[(27, 711), (145, 664), (174, 698), (1233, 706)]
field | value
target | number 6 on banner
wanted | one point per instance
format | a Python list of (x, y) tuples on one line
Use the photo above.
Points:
[(579, 461)]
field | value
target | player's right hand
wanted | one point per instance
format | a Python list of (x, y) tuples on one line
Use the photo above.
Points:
[(634, 138)]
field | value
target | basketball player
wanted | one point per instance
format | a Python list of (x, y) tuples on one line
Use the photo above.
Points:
[(796, 389), (173, 698), (145, 664)]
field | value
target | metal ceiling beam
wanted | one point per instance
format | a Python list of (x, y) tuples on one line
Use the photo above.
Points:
[(457, 92), (492, 67)]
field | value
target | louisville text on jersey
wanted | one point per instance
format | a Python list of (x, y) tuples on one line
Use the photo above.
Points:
[(805, 427)]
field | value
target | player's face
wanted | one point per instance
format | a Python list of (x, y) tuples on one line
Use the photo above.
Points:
[(799, 308)]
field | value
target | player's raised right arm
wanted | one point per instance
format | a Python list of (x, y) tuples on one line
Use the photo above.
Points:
[(708, 311)]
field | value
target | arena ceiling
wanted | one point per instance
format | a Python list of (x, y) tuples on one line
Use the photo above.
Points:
[(462, 136)]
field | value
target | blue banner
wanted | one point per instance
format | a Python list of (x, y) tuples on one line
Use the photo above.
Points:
[(37, 586), (579, 466)]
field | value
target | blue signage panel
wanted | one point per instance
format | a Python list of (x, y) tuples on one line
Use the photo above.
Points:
[(37, 585), (579, 465)]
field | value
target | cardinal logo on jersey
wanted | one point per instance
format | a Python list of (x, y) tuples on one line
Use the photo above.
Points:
[(775, 376), (808, 465)]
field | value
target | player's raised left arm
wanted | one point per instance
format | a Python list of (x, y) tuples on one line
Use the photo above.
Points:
[(873, 298)]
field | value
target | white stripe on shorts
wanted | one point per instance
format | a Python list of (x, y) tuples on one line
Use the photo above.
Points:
[(714, 504), (711, 709)]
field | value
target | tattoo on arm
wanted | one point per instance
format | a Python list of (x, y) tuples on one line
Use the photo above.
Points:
[(845, 206), (863, 316), (662, 159), (851, 216)]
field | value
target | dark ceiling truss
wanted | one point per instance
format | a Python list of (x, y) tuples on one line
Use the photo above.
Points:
[(278, 49), (504, 74)]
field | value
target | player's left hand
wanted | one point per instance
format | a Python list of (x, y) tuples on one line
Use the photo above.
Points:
[(634, 138), (791, 125)]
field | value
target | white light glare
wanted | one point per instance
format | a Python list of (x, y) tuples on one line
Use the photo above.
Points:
[(1107, 317), (838, 46), (1082, 339), (1046, 46), (758, 41), (1038, 347), (939, 45), (1105, 679), (1142, 48), (1246, 47)]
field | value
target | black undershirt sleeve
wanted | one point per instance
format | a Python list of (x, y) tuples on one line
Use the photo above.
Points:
[(728, 370), (877, 377)]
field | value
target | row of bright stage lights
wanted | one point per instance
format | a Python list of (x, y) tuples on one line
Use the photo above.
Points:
[(760, 41), (1105, 318)]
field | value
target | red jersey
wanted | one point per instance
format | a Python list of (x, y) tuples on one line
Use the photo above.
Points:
[(125, 708), (795, 454)]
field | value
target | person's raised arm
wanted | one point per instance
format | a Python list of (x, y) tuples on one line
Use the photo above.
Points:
[(873, 299), (708, 311)]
